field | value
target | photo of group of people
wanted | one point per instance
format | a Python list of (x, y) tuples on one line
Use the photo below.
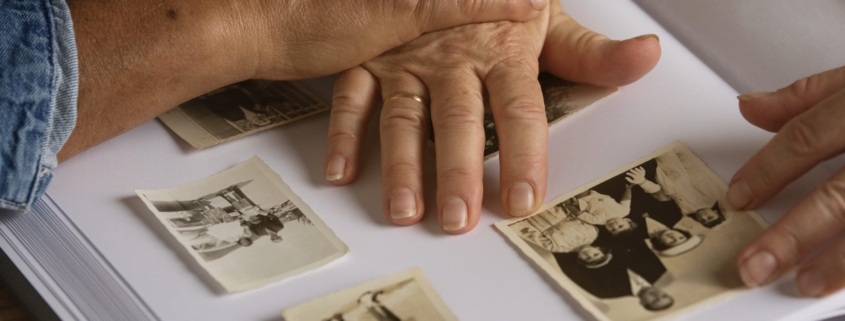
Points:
[(241, 109), (245, 226), (652, 239), (404, 296)]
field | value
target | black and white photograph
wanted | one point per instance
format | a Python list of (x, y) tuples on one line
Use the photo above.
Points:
[(245, 226), (561, 97), (241, 109), (645, 242), (404, 296)]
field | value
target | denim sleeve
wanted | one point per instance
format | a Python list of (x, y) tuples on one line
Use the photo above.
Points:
[(38, 91)]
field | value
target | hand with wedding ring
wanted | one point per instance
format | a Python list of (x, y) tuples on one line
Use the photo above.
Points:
[(459, 71)]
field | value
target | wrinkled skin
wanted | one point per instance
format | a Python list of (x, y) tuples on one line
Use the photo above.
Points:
[(458, 72)]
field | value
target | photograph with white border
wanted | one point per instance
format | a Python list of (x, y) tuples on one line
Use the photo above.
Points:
[(245, 226), (651, 240), (403, 296)]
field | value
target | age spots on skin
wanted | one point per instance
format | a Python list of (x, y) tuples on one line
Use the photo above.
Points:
[(172, 14)]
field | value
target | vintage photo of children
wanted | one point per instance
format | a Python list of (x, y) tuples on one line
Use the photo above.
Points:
[(241, 109), (404, 296), (245, 226), (648, 241)]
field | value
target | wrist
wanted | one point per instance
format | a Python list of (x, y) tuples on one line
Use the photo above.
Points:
[(234, 36)]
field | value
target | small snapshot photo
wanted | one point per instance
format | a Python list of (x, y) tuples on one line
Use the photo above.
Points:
[(651, 240), (241, 109), (561, 97), (245, 226), (404, 296)]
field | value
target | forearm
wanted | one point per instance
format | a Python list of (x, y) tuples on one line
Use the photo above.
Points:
[(138, 59)]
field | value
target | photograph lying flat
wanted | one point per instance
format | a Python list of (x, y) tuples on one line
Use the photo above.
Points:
[(245, 226), (404, 296), (241, 109), (648, 241)]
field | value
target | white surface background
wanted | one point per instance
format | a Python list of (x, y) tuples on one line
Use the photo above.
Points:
[(479, 275)]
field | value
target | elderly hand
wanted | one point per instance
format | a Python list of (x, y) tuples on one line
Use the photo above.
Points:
[(305, 38), (138, 59), (809, 118), (459, 71)]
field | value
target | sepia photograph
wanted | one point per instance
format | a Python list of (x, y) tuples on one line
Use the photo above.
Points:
[(561, 97), (649, 241), (241, 109), (245, 226), (404, 296)]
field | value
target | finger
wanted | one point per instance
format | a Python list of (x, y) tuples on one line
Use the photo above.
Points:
[(770, 111), (803, 142), (404, 128), (353, 100), (823, 274), (457, 115), (516, 101), (578, 54), (804, 228)]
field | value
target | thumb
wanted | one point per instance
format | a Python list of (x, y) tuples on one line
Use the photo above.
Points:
[(578, 54), (433, 15), (771, 110)]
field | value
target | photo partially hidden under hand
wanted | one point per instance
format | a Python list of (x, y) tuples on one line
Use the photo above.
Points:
[(650, 240), (562, 98), (245, 226), (240, 110)]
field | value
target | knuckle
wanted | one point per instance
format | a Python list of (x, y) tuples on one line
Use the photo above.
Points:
[(789, 245), (340, 137), (803, 138), (459, 175), (452, 49), (402, 169), (801, 86), (458, 117), (346, 105), (403, 118), (831, 199), (523, 110), (766, 174), (526, 159)]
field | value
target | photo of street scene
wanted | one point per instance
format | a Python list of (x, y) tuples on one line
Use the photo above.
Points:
[(245, 226)]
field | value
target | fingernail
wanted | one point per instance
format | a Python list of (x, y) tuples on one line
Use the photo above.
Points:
[(648, 36), (454, 214), (334, 171), (810, 284), (539, 4), (758, 269), (403, 203), (739, 194), (521, 199), (750, 96)]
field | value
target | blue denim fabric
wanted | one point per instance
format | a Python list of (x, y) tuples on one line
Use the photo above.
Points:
[(38, 91)]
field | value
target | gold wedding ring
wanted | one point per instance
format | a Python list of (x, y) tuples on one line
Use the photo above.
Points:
[(406, 95)]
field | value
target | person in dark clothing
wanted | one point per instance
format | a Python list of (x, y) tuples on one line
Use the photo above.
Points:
[(264, 224), (612, 279)]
